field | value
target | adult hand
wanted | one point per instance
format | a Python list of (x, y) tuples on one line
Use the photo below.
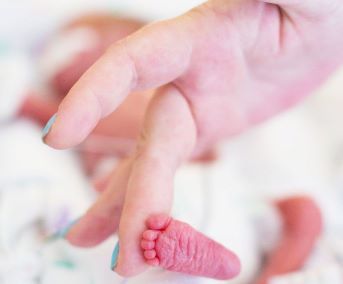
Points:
[(220, 68)]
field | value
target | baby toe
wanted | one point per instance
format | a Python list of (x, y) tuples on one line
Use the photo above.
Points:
[(153, 262), (147, 245), (150, 254), (150, 235), (159, 222)]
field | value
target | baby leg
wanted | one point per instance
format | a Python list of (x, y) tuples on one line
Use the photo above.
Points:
[(302, 225)]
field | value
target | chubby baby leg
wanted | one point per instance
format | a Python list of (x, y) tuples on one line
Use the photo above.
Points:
[(176, 246)]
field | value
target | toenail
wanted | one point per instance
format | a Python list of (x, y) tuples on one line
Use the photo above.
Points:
[(48, 126), (114, 258)]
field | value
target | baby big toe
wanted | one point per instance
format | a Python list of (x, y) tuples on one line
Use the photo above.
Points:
[(159, 222)]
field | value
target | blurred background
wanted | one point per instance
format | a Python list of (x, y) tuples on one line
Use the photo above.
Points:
[(44, 48)]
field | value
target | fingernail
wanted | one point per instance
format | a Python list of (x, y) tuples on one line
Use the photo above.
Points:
[(64, 231), (115, 256), (48, 126)]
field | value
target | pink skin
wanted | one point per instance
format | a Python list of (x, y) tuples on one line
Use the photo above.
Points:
[(109, 29), (37, 107), (176, 246), (121, 125), (225, 66), (302, 225)]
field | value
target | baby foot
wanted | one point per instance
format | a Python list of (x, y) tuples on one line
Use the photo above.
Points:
[(176, 246)]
